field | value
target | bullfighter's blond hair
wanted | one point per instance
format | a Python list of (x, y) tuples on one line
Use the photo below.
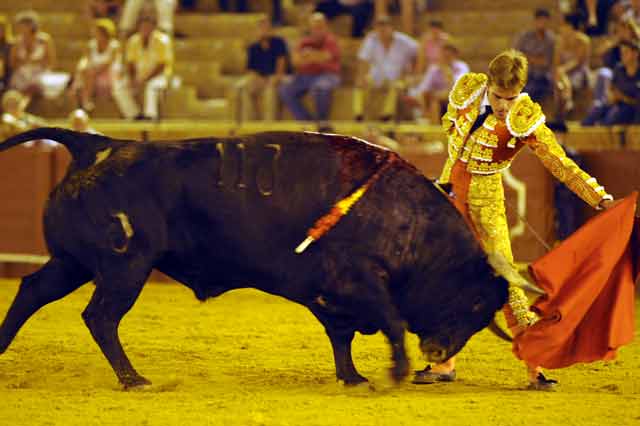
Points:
[(508, 70)]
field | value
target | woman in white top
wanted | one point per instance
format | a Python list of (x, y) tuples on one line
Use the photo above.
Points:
[(32, 54), (99, 67)]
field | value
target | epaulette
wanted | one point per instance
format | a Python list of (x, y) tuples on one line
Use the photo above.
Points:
[(467, 89), (524, 117)]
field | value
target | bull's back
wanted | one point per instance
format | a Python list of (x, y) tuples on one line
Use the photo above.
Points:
[(215, 200)]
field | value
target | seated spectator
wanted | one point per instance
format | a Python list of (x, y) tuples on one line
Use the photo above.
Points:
[(15, 119), (317, 62), (361, 12), (598, 14), (97, 9), (432, 94), (79, 121), (624, 93), (97, 70), (5, 48), (268, 62), (431, 45), (611, 57), (148, 65), (164, 10), (573, 51), (538, 45), (408, 9), (31, 56), (386, 58)]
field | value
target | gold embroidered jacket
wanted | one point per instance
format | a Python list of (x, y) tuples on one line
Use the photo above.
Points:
[(492, 147)]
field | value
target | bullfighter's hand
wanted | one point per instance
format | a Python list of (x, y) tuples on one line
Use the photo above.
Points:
[(607, 204)]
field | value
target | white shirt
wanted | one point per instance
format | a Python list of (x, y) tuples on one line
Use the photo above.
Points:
[(388, 64)]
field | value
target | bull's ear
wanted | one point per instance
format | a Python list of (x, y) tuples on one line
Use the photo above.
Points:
[(505, 269)]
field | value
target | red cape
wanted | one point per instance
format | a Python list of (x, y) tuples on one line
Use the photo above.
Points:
[(588, 311)]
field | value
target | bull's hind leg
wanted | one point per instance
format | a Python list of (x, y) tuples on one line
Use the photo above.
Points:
[(56, 279), (116, 292)]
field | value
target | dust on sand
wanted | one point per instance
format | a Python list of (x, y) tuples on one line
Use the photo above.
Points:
[(247, 358)]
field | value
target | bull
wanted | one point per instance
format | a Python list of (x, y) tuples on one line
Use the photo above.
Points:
[(221, 214)]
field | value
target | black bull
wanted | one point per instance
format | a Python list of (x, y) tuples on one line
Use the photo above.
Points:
[(221, 214)]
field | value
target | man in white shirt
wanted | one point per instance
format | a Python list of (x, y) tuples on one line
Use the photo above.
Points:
[(386, 58), (148, 65)]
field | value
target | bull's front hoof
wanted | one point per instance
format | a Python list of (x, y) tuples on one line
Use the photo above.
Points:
[(134, 383), (400, 370), (353, 380)]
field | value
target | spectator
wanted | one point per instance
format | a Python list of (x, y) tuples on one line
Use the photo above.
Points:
[(386, 58), (598, 14), (97, 70), (432, 94), (408, 9), (79, 121), (5, 48), (31, 56), (632, 11), (97, 9), (431, 45), (268, 62), (148, 64), (361, 12), (573, 50), (624, 93), (239, 6), (164, 10), (277, 18), (15, 119), (538, 46), (611, 57), (317, 62)]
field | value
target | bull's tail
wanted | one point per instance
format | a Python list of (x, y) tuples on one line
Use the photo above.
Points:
[(80, 145)]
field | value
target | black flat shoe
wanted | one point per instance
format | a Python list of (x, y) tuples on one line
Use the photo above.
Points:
[(426, 376), (543, 384)]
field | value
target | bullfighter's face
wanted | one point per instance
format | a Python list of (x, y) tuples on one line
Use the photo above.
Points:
[(452, 322), (501, 100)]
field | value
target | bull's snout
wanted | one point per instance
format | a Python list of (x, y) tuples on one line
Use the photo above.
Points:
[(434, 352)]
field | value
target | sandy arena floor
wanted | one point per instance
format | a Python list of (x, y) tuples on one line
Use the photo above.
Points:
[(247, 358)]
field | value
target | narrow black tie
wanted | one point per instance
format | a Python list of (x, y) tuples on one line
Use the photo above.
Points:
[(481, 118)]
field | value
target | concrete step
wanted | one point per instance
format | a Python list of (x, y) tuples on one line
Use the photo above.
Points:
[(479, 5), (241, 25), (481, 23), (42, 5)]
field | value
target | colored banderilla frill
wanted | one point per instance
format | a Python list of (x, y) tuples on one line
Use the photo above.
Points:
[(341, 208)]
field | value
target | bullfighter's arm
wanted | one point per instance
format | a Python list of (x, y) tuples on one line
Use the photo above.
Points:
[(526, 122), (545, 146)]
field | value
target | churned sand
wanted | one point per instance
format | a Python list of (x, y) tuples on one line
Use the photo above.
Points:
[(247, 358)]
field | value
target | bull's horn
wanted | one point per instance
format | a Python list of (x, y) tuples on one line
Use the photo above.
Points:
[(498, 331), (508, 272)]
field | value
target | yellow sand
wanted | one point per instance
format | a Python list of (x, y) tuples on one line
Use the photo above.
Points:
[(247, 358)]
